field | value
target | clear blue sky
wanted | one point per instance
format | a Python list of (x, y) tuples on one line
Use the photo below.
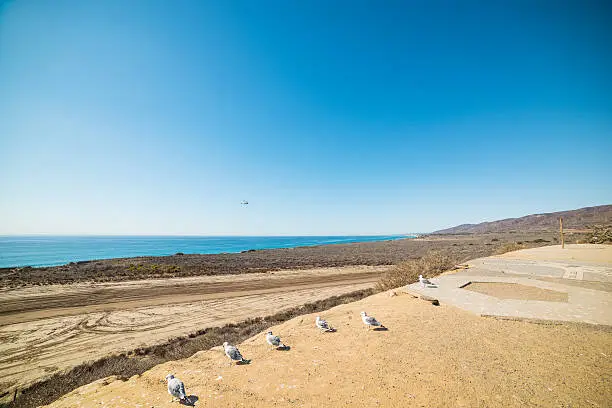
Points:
[(341, 117)]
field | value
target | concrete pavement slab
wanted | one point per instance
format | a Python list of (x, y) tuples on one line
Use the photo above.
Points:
[(583, 304)]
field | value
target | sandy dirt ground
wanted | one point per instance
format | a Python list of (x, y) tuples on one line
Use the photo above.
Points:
[(429, 357), (47, 329), (515, 291), (593, 253)]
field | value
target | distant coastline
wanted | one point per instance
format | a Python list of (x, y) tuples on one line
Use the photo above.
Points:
[(50, 250)]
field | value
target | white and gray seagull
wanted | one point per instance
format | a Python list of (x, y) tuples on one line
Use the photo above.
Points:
[(424, 281), (274, 340), (323, 325), (233, 353), (176, 388), (370, 321)]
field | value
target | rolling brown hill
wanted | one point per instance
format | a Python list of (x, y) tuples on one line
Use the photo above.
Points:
[(583, 218)]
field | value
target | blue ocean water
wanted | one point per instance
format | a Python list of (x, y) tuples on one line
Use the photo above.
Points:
[(47, 250)]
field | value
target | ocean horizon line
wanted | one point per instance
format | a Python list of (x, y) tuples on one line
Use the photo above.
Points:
[(44, 234), (54, 250)]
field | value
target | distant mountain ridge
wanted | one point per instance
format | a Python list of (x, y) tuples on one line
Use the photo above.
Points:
[(572, 219)]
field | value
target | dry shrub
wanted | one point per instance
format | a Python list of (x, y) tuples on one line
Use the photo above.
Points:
[(509, 247), (600, 235), (405, 273)]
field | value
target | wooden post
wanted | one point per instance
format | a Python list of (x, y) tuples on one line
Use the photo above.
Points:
[(561, 232)]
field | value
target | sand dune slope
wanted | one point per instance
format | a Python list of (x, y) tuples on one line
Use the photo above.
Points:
[(430, 356)]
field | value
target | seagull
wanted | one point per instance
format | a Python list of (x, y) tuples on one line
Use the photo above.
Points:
[(176, 388), (370, 321), (424, 281), (274, 340), (323, 325), (233, 353)]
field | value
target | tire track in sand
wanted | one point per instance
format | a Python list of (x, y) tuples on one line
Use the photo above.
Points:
[(37, 343)]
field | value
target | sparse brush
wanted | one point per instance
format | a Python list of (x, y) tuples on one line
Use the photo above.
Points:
[(599, 235), (405, 273), (509, 247)]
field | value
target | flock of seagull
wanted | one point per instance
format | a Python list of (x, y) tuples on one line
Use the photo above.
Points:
[(176, 388)]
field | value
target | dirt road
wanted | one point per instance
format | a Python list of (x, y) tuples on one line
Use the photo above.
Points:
[(47, 329)]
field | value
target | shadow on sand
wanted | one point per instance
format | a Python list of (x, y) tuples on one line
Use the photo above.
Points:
[(190, 401)]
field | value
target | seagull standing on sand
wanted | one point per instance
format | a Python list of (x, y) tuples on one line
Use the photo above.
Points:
[(233, 353), (370, 321), (274, 340), (323, 325), (424, 281), (176, 388)]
